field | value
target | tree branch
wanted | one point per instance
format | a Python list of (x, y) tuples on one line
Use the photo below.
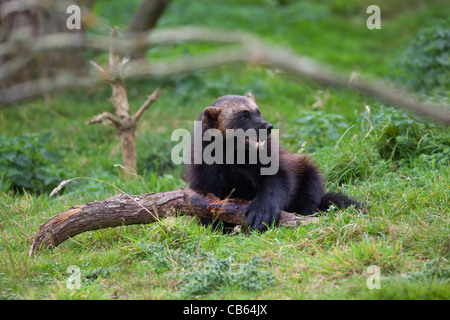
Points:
[(122, 210), (151, 98), (249, 48), (106, 118), (125, 122)]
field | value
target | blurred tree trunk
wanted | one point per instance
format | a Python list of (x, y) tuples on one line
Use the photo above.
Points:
[(23, 19), (145, 19)]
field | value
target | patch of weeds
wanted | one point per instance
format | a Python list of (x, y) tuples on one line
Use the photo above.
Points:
[(43, 279), (216, 273), (432, 270), (204, 280), (6, 293), (99, 272), (161, 258), (401, 138), (201, 272), (27, 162), (393, 139), (317, 128), (425, 64), (249, 276)]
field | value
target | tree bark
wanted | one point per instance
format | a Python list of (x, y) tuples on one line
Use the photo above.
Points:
[(147, 15), (122, 210), (36, 21), (128, 142), (124, 122), (145, 19)]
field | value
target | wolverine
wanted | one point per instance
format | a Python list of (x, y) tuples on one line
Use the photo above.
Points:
[(297, 185)]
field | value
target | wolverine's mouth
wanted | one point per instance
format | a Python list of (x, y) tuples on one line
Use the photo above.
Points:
[(255, 144)]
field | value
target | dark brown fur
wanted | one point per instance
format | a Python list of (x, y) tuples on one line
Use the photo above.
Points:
[(296, 187)]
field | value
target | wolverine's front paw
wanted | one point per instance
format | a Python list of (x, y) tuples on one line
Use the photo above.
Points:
[(260, 216)]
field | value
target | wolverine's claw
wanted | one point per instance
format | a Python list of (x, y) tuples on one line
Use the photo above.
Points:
[(261, 217)]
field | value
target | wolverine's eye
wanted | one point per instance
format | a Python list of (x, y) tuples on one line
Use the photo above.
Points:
[(245, 116)]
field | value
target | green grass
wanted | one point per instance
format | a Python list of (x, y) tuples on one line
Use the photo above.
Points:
[(395, 162)]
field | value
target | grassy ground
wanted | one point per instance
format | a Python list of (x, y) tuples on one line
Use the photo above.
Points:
[(397, 163)]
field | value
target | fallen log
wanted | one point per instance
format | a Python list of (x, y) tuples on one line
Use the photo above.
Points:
[(122, 209)]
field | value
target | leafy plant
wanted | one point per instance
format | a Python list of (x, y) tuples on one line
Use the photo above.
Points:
[(203, 273), (161, 258), (315, 129), (426, 63), (217, 273), (432, 270), (402, 137), (207, 278), (99, 272), (27, 162), (394, 137)]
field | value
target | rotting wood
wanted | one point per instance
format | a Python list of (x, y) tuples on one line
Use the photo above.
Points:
[(121, 210)]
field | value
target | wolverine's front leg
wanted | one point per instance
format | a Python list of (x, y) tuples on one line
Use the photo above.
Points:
[(271, 197), (261, 214)]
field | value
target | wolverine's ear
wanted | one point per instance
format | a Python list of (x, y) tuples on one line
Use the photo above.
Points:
[(210, 117), (250, 95)]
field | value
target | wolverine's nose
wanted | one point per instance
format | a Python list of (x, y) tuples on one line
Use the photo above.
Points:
[(268, 127)]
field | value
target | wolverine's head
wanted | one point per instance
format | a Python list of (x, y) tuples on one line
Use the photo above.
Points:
[(236, 112)]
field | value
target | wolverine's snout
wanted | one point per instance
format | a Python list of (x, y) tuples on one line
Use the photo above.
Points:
[(268, 127)]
